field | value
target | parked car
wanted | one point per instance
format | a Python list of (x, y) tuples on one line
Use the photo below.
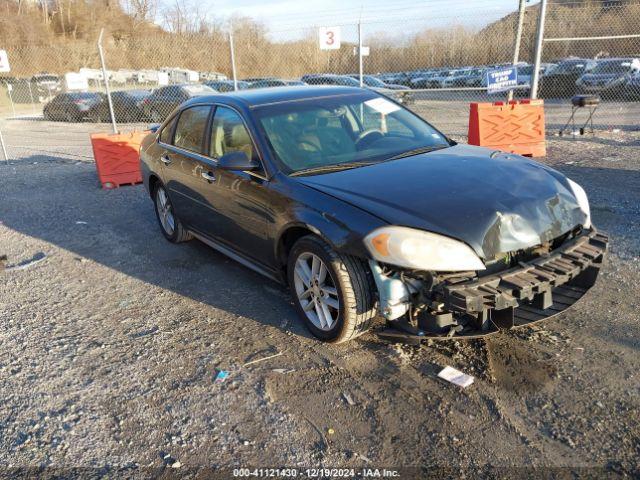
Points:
[(225, 85), (45, 86), (425, 80), (475, 77), (71, 107), (295, 83), (330, 79), (373, 82), (363, 208), (632, 90), (270, 82), (560, 81), (610, 77), (127, 106), (165, 99), (456, 78)]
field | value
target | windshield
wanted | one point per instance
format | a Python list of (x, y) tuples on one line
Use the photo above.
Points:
[(330, 131), (615, 66)]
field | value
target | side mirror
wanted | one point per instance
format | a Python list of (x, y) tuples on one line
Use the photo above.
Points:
[(153, 128), (238, 161)]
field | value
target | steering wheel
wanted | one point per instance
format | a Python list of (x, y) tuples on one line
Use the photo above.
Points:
[(311, 147), (367, 137)]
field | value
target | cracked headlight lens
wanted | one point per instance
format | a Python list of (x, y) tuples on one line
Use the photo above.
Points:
[(583, 201), (411, 248)]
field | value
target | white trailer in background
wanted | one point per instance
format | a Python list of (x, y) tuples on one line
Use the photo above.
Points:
[(75, 82), (93, 75), (181, 75), (212, 76)]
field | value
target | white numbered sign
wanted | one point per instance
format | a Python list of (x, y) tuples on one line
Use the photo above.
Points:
[(4, 62), (329, 38)]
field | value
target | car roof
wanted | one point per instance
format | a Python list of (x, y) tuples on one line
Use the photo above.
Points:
[(263, 96)]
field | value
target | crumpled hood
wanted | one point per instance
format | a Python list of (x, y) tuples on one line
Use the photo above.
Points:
[(495, 205)]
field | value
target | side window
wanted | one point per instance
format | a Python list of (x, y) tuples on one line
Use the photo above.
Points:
[(165, 135), (190, 128), (228, 134)]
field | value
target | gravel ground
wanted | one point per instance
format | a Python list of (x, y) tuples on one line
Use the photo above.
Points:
[(109, 347)]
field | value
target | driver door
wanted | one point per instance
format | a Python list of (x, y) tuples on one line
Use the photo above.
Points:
[(244, 199)]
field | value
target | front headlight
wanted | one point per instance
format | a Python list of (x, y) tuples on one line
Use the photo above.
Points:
[(410, 248), (583, 201)]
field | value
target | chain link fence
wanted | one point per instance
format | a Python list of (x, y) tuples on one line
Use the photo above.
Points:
[(54, 94)]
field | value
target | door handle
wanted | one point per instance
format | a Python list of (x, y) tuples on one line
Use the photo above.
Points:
[(208, 176), (165, 159)]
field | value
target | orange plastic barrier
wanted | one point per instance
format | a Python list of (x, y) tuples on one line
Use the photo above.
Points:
[(515, 127), (117, 158)]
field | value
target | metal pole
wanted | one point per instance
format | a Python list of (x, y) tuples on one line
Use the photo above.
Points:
[(233, 63), (360, 53), (13, 107), (33, 107), (106, 83), (539, 41), (4, 150), (516, 47)]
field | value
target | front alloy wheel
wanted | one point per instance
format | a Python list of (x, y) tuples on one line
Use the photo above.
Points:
[(316, 291), (333, 293)]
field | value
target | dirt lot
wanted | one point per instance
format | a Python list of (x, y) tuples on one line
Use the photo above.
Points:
[(110, 345)]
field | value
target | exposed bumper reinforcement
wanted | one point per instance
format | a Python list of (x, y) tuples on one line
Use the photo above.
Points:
[(533, 291)]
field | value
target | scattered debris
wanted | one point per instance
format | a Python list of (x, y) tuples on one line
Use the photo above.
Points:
[(331, 431), (3, 262), (80, 222), (320, 432), (176, 464), (348, 399), (36, 259), (221, 376), (283, 370), (362, 457), (262, 359), (456, 377)]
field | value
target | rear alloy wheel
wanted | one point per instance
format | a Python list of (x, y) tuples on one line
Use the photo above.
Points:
[(170, 225), (333, 293)]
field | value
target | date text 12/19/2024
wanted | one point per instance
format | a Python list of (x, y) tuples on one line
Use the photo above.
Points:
[(315, 473)]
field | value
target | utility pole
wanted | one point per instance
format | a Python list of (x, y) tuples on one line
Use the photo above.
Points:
[(516, 47), (106, 83), (233, 62), (539, 41), (360, 52)]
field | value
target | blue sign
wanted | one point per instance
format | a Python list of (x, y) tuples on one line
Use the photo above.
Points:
[(502, 79)]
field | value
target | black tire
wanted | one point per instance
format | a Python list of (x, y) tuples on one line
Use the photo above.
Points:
[(354, 285), (179, 234)]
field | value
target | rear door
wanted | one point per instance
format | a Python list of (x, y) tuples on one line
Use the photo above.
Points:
[(189, 173)]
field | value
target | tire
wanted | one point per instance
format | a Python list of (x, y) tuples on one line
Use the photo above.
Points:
[(176, 234), (347, 276), (70, 117)]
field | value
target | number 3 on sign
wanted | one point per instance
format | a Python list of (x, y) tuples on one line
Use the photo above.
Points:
[(329, 38)]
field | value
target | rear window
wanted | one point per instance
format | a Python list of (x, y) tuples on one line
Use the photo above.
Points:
[(190, 128)]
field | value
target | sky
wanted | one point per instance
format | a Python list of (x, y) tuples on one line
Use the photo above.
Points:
[(287, 19)]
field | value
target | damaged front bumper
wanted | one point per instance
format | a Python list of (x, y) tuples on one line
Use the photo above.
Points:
[(534, 290)]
